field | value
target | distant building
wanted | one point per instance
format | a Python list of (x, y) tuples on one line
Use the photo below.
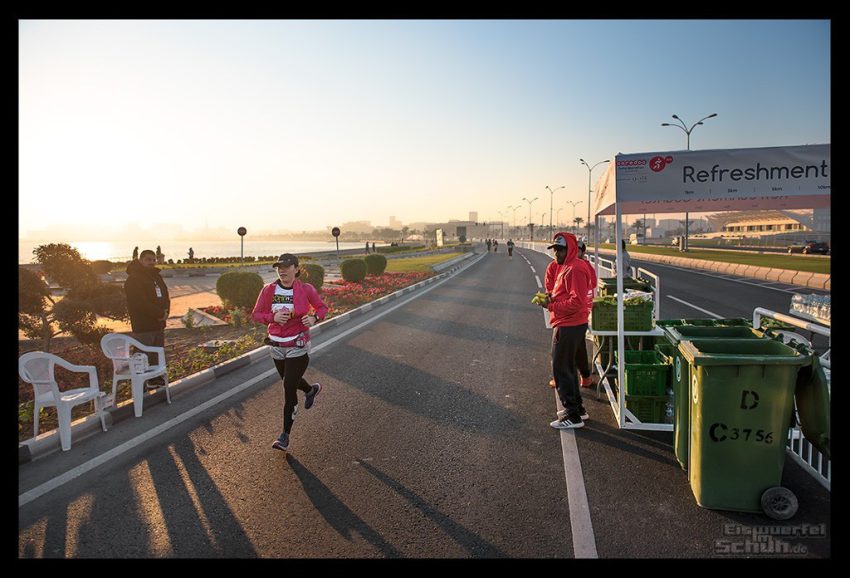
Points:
[(771, 222), (356, 227), (473, 216), (394, 223)]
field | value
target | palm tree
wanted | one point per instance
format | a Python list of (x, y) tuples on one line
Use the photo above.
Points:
[(578, 221), (638, 225)]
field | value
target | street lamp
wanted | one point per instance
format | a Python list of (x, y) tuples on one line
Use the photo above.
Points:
[(558, 218), (242, 231), (529, 213), (502, 223), (590, 190), (551, 196), (574, 203), (514, 210), (688, 131)]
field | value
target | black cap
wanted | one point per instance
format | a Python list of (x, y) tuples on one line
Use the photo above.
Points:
[(286, 260)]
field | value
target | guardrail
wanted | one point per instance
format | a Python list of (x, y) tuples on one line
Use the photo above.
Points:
[(798, 447)]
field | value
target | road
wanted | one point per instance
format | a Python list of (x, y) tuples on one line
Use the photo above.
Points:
[(430, 440)]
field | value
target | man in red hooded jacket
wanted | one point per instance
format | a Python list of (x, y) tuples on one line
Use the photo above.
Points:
[(582, 361), (568, 313)]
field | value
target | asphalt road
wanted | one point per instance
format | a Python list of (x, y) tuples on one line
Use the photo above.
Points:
[(430, 440)]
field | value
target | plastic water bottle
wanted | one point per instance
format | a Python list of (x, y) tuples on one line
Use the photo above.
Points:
[(668, 407)]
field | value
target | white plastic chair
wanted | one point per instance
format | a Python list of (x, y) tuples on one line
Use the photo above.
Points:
[(116, 346), (38, 369)]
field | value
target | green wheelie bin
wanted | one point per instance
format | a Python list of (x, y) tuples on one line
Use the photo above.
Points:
[(730, 322), (742, 393), (680, 373)]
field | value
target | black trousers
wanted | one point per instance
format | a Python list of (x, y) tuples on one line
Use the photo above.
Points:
[(292, 372), (582, 361), (567, 345)]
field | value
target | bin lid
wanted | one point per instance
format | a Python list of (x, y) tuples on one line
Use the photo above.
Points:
[(740, 352), (679, 333)]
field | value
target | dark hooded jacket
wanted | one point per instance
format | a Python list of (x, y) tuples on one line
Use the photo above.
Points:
[(147, 297)]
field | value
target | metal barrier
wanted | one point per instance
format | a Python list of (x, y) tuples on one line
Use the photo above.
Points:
[(798, 447)]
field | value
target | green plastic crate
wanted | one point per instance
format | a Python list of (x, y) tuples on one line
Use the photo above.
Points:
[(646, 372), (647, 408), (608, 285), (635, 317)]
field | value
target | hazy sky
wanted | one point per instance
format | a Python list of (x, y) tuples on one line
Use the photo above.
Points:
[(304, 124)]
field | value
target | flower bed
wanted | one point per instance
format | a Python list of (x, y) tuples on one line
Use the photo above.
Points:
[(341, 296)]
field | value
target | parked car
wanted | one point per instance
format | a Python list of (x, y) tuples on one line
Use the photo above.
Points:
[(810, 247)]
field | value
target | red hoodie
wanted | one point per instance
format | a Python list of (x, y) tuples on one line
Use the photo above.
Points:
[(569, 296)]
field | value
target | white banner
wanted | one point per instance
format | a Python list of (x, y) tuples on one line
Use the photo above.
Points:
[(717, 180)]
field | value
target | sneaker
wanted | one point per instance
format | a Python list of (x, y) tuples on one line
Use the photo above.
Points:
[(311, 397), (583, 412), (586, 381), (573, 422), (552, 383), (281, 443)]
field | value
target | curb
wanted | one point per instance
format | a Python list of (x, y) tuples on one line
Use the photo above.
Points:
[(48, 442)]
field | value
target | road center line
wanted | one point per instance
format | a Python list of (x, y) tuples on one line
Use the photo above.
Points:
[(85, 467), (706, 311)]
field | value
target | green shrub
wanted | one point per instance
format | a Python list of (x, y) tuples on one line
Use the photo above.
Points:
[(375, 264), (239, 288), (313, 274), (397, 248), (353, 270), (101, 267)]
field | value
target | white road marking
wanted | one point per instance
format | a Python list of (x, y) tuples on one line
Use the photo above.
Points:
[(539, 284), (85, 467), (584, 541), (706, 311)]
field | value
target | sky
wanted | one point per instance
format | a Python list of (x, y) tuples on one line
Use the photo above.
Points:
[(305, 124)]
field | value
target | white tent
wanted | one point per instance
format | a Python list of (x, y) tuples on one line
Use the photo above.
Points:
[(794, 177)]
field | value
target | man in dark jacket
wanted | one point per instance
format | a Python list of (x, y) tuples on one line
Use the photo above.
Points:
[(148, 303)]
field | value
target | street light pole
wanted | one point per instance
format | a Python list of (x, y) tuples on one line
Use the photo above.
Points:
[(551, 196), (529, 215), (558, 219), (574, 203), (514, 210), (590, 190), (688, 131)]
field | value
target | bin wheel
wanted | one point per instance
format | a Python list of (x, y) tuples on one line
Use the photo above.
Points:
[(779, 503)]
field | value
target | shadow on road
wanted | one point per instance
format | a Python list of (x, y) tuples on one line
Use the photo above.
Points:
[(335, 512), (468, 540), (423, 393)]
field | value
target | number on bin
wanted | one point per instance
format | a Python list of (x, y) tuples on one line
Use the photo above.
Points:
[(719, 432)]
